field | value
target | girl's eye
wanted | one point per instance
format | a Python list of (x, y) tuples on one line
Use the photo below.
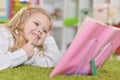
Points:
[(45, 31), (37, 24)]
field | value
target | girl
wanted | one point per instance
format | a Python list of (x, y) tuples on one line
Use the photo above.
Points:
[(26, 40)]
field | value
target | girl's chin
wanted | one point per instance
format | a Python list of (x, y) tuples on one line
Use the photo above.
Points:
[(36, 44)]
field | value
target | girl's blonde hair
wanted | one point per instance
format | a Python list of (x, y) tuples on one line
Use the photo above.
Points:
[(16, 24)]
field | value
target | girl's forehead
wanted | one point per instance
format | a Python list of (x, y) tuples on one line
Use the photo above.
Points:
[(39, 15)]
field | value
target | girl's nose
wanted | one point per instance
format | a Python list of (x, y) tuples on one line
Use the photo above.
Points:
[(40, 31)]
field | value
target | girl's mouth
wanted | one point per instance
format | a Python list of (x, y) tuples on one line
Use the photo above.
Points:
[(37, 36)]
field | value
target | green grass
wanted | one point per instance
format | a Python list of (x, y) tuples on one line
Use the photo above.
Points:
[(110, 71)]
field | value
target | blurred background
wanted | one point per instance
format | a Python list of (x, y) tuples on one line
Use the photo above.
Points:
[(67, 15)]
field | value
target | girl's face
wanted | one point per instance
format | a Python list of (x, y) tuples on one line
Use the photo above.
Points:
[(36, 26)]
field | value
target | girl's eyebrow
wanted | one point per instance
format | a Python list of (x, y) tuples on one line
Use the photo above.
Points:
[(37, 21), (46, 28)]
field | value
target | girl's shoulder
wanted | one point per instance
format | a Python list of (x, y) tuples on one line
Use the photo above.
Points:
[(4, 31)]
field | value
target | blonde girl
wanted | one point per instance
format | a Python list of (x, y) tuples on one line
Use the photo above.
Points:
[(26, 40)]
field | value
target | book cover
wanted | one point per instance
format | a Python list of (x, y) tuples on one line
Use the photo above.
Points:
[(95, 41)]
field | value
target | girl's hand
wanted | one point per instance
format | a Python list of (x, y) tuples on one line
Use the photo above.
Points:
[(29, 48)]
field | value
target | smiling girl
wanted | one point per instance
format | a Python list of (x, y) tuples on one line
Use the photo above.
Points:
[(26, 40)]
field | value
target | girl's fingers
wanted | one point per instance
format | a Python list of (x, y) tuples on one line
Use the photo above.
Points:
[(31, 41)]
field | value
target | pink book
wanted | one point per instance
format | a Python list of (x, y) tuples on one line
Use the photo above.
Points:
[(94, 41)]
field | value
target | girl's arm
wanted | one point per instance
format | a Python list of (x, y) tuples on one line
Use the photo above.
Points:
[(52, 52), (51, 56), (7, 58)]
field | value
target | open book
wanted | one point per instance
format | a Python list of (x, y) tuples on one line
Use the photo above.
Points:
[(96, 42)]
